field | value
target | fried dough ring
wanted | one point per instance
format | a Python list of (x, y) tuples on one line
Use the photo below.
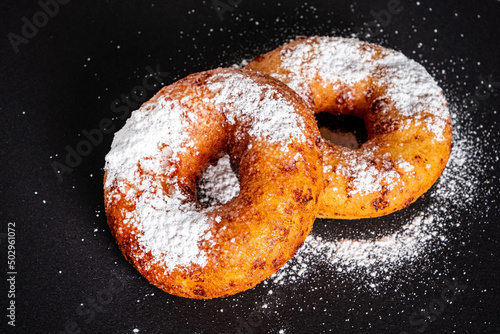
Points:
[(404, 111), (157, 159)]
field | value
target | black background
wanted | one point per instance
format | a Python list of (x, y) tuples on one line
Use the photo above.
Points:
[(63, 79)]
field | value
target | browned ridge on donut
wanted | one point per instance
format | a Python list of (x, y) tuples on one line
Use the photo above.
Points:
[(404, 111)]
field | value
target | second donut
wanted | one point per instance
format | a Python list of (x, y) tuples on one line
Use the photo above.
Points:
[(404, 111)]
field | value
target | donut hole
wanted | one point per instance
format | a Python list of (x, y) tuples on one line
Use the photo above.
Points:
[(342, 130), (219, 184)]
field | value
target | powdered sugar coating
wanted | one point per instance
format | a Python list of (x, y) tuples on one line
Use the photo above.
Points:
[(141, 137), (414, 92), (169, 228), (145, 151), (405, 166), (172, 228), (368, 177), (219, 184), (271, 116), (336, 60), (375, 259)]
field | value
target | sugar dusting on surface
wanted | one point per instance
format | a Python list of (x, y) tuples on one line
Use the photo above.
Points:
[(376, 258), (170, 226)]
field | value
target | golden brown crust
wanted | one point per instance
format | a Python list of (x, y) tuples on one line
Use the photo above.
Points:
[(409, 150), (254, 234)]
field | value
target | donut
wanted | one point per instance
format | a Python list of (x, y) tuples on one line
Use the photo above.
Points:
[(155, 163), (403, 109)]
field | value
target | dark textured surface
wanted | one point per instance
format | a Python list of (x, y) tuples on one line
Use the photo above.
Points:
[(63, 82)]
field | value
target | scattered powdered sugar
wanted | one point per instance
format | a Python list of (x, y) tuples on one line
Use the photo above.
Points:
[(219, 184), (377, 257), (241, 64), (396, 248)]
